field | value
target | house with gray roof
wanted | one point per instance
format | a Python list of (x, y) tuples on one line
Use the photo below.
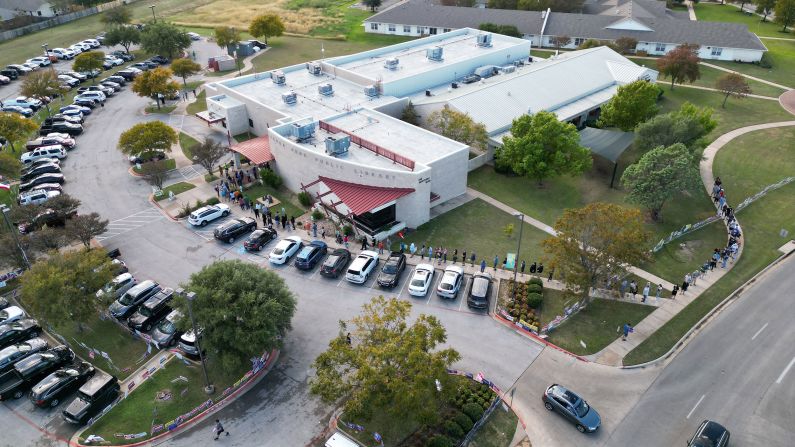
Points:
[(12, 8), (656, 30)]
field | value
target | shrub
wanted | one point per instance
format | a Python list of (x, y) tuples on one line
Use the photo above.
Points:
[(473, 410), (463, 421), (535, 288), (641, 53), (270, 178), (347, 230), (537, 281), (305, 199), (765, 62), (318, 215), (454, 430), (212, 201), (535, 300), (439, 441)]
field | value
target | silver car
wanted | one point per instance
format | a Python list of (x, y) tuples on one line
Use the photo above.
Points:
[(116, 288)]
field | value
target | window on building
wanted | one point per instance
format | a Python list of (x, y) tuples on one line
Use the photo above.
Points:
[(447, 30), (374, 26), (392, 27), (406, 28), (716, 51), (659, 47), (250, 122), (432, 31), (578, 41)]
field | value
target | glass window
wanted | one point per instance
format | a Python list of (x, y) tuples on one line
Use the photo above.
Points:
[(659, 47), (578, 41), (392, 27), (406, 28), (374, 26), (716, 51)]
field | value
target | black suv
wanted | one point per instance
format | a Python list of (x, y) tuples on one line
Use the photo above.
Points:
[(18, 331), (393, 267), (30, 174), (231, 229), (29, 371), (335, 263), (709, 434), (259, 239), (159, 59), (151, 311), (9, 73), (129, 302), (92, 398), (51, 389)]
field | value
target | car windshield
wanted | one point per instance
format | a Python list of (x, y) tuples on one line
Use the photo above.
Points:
[(145, 311), (126, 299), (166, 327), (278, 251), (418, 282), (390, 267), (331, 261), (582, 408), (3, 315), (306, 252), (446, 286)]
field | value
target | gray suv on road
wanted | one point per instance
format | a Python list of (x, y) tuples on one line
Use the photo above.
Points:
[(572, 407)]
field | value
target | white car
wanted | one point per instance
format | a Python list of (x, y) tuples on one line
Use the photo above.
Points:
[(36, 196), (114, 60), (63, 53), (21, 68), (10, 314), (285, 249), (31, 65), (77, 49), (421, 280), (41, 61), (194, 36), (207, 214), (361, 267), (93, 43), (451, 282), (54, 151), (91, 95)]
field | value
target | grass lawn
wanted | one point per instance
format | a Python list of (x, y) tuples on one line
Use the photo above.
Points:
[(141, 409), (177, 188), (782, 56), (728, 13), (187, 143), (746, 165), (596, 325), (191, 85), (478, 226), (161, 110), (199, 105), (498, 430), (244, 137), (170, 164), (289, 201)]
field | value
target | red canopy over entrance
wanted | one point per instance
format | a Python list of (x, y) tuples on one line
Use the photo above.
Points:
[(258, 150)]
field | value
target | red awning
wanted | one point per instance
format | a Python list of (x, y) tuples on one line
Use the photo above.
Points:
[(363, 198), (258, 150)]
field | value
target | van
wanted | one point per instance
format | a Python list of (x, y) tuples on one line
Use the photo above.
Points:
[(361, 267), (54, 151), (93, 397), (36, 197), (129, 302)]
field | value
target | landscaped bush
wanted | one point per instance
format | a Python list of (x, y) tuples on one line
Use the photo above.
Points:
[(318, 215), (536, 281), (270, 178), (535, 288), (305, 199), (439, 441), (641, 53), (522, 303), (453, 429), (473, 410), (463, 421), (347, 230), (534, 300)]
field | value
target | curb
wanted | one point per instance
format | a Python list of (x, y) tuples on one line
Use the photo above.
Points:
[(712, 313), (536, 338), (162, 211), (132, 172)]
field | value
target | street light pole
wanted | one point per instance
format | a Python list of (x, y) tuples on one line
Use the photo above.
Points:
[(518, 250), (154, 19), (4, 209), (190, 296)]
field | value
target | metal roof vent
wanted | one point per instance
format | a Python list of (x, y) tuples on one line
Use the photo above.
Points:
[(337, 146), (314, 68), (435, 54), (484, 40), (289, 98), (391, 63), (278, 77), (325, 89)]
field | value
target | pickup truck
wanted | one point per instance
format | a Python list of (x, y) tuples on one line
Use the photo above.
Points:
[(69, 128), (29, 371)]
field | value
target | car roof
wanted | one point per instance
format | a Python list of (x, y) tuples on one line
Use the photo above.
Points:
[(455, 269), (96, 383), (340, 252), (368, 253), (317, 243), (159, 297), (426, 267)]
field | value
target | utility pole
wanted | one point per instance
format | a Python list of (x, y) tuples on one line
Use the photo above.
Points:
[(154, 19), (518, 250), (190, 296)]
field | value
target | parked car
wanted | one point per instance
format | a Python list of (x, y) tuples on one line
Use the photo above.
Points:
[(31, 65), (71, 108), (76, 49), (50, 187), (84, 102), (4, 80), (60, 118), (479, 290), (66, 143), (24, 103), (259, 238), (150, 64), (310, 255), (20, 69), (87, 91), (187, 344), (361, 267), (113, 61), (24, 111), (68, 80), (59, 384), (194, 36), (709, 434), (73, 74), (166, 332), (10, 73), (134, 297), (421, 280), (36, 197), (572, 407), (285, 249), (11, 314), (123, 56), (63, 53), (96, 394), (40, 180), (12, 354), (143, 66), (32, 173), (74, 112), (61, 127), (41, 61), (335, 263), (127, 74), (393, 267), (451, 282), (48, 217), (51, 151), (117, 79), (234, 228), (18, 331), (41, 162), (159, 59), (147, 156), (207, 214), (95, 96), (93, 43), (111, 85), (151, 311), (30, 371), (117, 286)]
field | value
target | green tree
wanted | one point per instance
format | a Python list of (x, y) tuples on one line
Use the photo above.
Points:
[(164, 38), (459, 127), (145, 137), (389, 365), (184, 68), (765, 7), (372, 4), (507, 30), (125, 36), (659, 175), (48, 239), (266, 26), (596, 243), (14, 127), (410, 114), (89, 61), (155, 82), (9, 165), (85, 227), (785, 13), (732, 84), (541, 146), (681, 64), (208, 153), (40, 84), (10, 254), (633, 104), (701, 114), (688, 125), (227, 37), (61, 287), (116, 16), (244, 310)]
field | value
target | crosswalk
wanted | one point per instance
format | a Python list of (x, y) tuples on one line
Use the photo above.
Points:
[(131, 222), (191, 172)]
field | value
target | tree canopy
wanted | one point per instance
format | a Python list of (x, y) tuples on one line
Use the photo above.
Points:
[(507, 30), (626, 44), (155, 82), (458, 126), (765, 7), (680, 64), (117, 16), (184, 68), (40, 84), (633, 104), (541, 146), (266, 26), (155, 172), (86, 227), (410, 114), (164, 38), (125, 36), (389, 364), (660, 175), (89, 61), (688, 125), (226, 37), (785, 13), (245, 310), (372, 4), (596, 244), (150, 136), (14, 127), (538, 5), (732, 84)]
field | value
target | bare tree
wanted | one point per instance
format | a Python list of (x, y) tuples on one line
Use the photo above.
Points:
[(155, 172), (208, 153), (561, 41), (85, 227)]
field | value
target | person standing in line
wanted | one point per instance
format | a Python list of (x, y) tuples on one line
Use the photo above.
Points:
[(438, 255), (256, 211), (219, 429), (422, 253), (540, 269), (522, 267), (473, 257), (381, 247), (345, 241), (430, 254), (551, 272), (323, 233), (444, 255), (455, 256), (623, 287), (674, 292), (464, 258), (482, 265), (533, 268), (685, 283), (659, 293), (364, 244), (646, 292), (694, 277), (314, 229), (633, 289), (496, 261)]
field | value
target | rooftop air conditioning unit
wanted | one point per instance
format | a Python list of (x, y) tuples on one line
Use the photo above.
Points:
[(325, 89), (337, 146), (314, 68), (484, 40), (278, 77), (303, 132), (435, 54), (508, 69), (391, 63), (371, 91), (289, 98)]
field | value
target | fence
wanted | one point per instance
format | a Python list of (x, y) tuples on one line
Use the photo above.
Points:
[(60, 20)]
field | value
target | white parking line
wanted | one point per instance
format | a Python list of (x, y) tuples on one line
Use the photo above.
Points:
[(759, 331), (407, 280), (129, 223), (786, 370), (696, 405)]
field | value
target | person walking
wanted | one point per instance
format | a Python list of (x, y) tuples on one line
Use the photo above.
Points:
[(646, 291), (256, 212), (694, 277), (438, 255), (659, 293), (623, 287), (551, 272), (430, 254), (686, 283), (345, 241), (364, 244), (219, 429), (292, 222), (464, 258), (627, 329), (482, 265), (540, 269), (674, 292), (455, 256), (314, 230), (444, 255)]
